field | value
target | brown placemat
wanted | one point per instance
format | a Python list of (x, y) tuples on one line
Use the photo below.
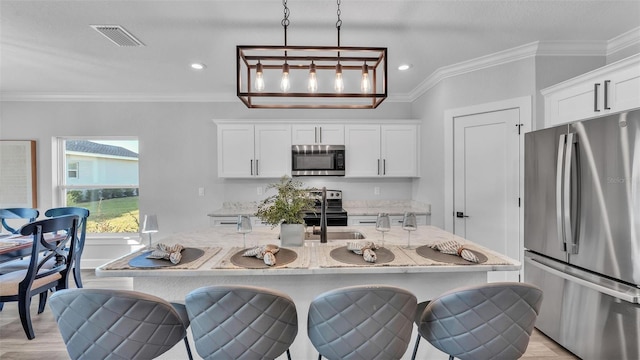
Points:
[(188, 255), (432, 254), (283, 257), (123, 262), (343, 255)]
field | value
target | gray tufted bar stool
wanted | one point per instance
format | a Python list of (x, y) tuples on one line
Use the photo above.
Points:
[(241, 322), (118, 324), (488, 321), (368, 322)]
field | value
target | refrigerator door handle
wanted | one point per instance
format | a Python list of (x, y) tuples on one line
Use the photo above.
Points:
[(566, 193), (559, 192), (632, 298)]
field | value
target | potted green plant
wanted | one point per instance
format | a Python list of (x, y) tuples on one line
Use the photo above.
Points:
[(286, 208)]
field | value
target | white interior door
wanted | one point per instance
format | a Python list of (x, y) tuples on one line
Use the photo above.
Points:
[(486, 182)]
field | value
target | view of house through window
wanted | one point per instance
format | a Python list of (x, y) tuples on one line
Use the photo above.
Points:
[(102, 176)]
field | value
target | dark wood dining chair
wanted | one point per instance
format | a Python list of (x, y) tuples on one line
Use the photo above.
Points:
[(82, 214), (28, 214), (38, 279)]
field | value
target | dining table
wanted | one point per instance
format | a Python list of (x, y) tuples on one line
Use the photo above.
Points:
[(16, 246)]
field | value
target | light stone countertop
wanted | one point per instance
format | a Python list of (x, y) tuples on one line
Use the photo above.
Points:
[(227, 238), (353, 208)]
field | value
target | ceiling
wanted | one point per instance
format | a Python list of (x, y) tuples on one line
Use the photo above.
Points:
[(48, 48)]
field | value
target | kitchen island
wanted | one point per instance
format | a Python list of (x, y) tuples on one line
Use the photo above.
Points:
[(313, 271)]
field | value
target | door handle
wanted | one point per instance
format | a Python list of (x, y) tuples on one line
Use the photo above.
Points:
[(559, 191), (251, 167), (460, 214), (606, 94), (566, 192), (596, 87)]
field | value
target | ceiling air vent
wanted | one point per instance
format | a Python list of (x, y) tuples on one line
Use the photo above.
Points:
[(118, 35)]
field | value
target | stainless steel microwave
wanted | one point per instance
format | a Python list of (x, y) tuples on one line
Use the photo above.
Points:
[(317, 160)]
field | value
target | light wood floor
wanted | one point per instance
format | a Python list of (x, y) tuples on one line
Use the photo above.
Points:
[(49, 345)]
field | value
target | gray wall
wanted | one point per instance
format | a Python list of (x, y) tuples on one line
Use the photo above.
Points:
[(501, 82)]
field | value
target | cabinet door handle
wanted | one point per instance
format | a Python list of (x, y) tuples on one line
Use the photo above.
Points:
[(251, 167), (596, 87), (257, 168), (366, 222), (606, 94), (378, 166), (315, 133), (384, 167), (320, 131)]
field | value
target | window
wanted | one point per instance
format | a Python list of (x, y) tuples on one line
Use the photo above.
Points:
[(102, 176), (72, 170)]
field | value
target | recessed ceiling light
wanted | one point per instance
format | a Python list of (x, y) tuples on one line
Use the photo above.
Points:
[(198, 66), (404, 67)]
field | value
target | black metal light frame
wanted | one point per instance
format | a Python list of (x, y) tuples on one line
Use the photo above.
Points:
[(299, 58)]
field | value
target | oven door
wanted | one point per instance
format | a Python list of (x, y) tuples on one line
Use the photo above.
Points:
[(314, 160), (338, 219)]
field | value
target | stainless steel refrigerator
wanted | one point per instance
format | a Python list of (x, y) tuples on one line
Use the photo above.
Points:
[(582, 233)]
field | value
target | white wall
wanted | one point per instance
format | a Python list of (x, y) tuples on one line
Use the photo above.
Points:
[(177, 143)]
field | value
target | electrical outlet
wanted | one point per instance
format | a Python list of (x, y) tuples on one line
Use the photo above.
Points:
[(376, 190), (201, 191), (259, 190)]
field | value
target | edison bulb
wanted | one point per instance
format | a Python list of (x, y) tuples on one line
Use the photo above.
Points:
[(339, 84), (284, 82), (259, 78), (313, 79), (365, 84)]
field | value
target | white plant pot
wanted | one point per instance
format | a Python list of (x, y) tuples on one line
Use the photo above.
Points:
[(291, 235)]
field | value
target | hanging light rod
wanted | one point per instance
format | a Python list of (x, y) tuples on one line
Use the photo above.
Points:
[(311, 77)]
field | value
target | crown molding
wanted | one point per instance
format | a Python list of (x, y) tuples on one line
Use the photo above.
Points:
[(623, 41), (537, 48), (117, 97), (135, 97)]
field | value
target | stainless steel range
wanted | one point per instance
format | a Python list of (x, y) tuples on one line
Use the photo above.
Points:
[(336, 215)]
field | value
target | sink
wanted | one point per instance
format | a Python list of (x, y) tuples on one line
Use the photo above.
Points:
[(336, 235)]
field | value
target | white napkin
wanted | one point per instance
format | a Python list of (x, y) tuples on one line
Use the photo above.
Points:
[(172, 253), (455, 248)]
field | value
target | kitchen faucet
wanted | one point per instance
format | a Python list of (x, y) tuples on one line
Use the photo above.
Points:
[(323, 216)]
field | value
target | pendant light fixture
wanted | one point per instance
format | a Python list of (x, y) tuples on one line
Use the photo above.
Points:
[(358, 74)]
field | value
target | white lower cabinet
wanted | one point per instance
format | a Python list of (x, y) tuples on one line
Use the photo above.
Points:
[(233, 221), (382, 150), (248, 150), (610, 89), (370, 220)]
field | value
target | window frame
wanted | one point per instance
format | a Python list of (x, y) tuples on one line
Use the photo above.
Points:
[(76, 170)]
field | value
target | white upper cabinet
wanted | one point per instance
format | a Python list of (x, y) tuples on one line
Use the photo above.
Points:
[(610, 89), (328, 134), (399, 150), (362, 150), (248, 150), (382, 150)]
